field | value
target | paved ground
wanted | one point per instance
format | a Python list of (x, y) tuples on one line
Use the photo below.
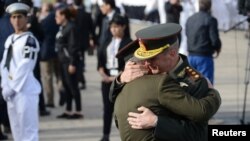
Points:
[(229, 80)]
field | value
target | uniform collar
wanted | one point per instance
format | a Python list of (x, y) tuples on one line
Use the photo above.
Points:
[(178, 64), (179, 69), (24, 32)]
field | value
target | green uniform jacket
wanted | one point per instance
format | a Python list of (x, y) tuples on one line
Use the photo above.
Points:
[(164, 97), (167, 96)]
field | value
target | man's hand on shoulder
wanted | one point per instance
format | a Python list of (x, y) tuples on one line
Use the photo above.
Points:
[(146, 119), (132, 71)]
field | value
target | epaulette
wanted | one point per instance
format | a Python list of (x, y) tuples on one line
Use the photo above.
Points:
[(192, 73)]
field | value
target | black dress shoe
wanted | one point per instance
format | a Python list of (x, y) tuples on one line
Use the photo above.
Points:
[(64, 115), (44, 113), (75, 116), (3, 137)]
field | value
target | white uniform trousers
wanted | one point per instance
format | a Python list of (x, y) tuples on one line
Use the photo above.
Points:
[(23, 116)]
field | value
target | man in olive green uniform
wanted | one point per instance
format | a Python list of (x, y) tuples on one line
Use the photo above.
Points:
[(166, 95)]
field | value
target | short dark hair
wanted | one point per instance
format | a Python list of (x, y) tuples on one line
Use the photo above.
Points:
[(119, 19), (205, 5), (64, 10), (111, 3)]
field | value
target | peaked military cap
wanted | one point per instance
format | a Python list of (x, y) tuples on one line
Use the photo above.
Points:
[(17, 8), (127, 52), (154, 39)]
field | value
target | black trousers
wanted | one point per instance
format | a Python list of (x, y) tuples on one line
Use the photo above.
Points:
[(108, 108), (70, 83)]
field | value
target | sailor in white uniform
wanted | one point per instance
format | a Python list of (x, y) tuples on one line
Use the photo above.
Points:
[(19, 86)]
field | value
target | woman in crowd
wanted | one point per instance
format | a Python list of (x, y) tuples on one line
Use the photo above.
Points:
[(109, 66), (68, 58)]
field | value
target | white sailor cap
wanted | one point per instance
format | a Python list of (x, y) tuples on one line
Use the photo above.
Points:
[(17, 8)]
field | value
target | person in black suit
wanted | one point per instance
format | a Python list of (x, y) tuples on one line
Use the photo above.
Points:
[(97, 17), (84, 34), (109, 66), (108, 8)]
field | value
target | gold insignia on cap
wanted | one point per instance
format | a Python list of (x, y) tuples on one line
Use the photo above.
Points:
[(142, 53), (142, 46)]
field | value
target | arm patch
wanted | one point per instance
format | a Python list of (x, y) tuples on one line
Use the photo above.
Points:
[(29, 48), (26, 51)]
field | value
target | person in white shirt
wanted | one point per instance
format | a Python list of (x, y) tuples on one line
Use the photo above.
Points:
[(20, 87)]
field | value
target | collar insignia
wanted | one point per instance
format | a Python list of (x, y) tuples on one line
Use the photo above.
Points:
[(183, 84)]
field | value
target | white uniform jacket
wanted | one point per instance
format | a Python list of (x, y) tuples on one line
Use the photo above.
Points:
[(20, 78)]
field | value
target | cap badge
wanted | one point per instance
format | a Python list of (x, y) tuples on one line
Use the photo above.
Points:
[(142, 46)]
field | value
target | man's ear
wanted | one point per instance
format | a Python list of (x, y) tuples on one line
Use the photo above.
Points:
[(173, 52)]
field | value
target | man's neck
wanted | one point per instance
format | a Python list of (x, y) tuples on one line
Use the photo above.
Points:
[(20, 32), (176, 64)]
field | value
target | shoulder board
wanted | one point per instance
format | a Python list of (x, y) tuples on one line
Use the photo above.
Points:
[(192, 73), (31, 42)]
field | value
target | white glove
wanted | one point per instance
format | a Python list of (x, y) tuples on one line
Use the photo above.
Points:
[(8, 93)]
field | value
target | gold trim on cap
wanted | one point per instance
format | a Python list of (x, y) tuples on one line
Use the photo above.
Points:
[(141, 45), (142, 53)]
